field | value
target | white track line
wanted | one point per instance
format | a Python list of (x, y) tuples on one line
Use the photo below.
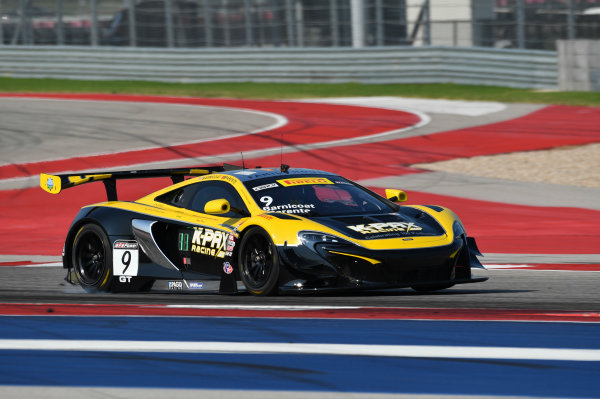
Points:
[(418, 351)]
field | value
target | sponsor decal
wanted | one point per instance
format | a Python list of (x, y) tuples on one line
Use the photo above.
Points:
[(374, 228), (125, 245), (50, 184), (342, 182), (227, 178), (230, 242), (227, 268), (209, 242), (304, 181), (245, 173), (265, 186), (175, 285), (125, 259), (183, 242), (195, 285)]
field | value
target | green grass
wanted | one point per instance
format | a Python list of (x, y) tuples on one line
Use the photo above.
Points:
[(293, 91)]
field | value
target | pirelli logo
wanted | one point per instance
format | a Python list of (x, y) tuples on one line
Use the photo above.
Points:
[(304, 181)]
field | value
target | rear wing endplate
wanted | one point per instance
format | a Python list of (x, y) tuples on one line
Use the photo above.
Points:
[(54, 184)]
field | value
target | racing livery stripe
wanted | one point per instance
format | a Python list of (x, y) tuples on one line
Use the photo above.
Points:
[(364, 313)]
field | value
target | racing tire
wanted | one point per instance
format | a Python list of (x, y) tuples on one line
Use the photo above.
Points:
[(258, 262), (431, 287), (91, 258)]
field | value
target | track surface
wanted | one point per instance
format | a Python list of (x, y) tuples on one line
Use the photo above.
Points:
[(546, 282), (508, 289)]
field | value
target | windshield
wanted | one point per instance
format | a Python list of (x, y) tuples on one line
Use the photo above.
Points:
[(315, 196)]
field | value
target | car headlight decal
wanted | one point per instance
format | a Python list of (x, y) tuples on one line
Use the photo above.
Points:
[(309, 238)]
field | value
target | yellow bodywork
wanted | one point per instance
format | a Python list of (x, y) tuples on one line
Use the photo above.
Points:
[(282, 231)]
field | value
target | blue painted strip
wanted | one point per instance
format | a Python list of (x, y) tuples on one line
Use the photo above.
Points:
[(383, 332), (298, 373), (303, 372)]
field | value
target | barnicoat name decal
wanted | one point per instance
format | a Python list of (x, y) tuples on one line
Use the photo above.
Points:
[(375, 228), (290, 208), (286, 208)]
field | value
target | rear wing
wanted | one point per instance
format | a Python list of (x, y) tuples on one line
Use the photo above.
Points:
[(54, 184)]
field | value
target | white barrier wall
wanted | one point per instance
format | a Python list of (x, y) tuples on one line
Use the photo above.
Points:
[(482, 66)]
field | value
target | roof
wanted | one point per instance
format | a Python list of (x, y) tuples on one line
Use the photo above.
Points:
[(245, 175)]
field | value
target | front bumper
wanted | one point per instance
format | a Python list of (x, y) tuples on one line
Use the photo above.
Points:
[(327, 266)]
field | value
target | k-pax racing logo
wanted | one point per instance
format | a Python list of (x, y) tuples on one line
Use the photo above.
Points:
[(375, 228), (211, 242)]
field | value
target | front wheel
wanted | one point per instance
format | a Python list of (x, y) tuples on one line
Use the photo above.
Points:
[(92, 258), (258, 262)]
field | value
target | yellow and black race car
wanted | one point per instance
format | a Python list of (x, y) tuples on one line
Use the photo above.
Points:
[(275, 230)]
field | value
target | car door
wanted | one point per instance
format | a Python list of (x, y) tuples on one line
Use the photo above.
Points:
[(206, 247)]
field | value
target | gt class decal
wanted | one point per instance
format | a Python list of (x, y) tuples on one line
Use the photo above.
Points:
[(304, 181), (375, 228), (125, 259)]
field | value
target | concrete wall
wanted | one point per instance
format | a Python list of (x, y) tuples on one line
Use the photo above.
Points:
[(579, 65), (436, 64)]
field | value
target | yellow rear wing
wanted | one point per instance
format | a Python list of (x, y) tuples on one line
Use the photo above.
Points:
[(54, 184)]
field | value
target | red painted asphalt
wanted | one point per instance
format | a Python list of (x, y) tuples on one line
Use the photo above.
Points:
[(364, 313), (307, 123), (35, 222), (565, 267)]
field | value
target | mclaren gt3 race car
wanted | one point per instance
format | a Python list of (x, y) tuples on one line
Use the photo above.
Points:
[(273, 230)]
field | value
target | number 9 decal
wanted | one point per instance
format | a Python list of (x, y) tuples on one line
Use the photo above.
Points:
[(266, 200), (125, 258)]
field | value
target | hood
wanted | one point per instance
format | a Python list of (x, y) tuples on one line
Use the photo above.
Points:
[(408, 222)]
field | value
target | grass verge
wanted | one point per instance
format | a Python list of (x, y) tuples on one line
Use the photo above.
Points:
[(299, 90)]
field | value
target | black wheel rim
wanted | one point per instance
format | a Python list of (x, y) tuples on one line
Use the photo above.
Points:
[(90, 258), (258, 261)]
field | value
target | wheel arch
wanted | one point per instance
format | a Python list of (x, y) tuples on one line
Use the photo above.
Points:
[(110, 220)]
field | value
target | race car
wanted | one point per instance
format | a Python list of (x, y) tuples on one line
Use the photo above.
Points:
[(262, 230)]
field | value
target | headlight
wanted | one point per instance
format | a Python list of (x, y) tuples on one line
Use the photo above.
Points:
[(310, 238)]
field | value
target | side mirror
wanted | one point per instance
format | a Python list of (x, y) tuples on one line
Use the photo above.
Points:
[(395, 195), (217, 207)]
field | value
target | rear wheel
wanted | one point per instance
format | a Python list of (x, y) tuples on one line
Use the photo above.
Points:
[(92, 258), (258, 262)]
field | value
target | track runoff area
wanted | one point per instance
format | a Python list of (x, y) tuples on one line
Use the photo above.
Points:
[(327, 350)]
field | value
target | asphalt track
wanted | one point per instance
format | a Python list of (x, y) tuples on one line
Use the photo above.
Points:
[(544, 262)]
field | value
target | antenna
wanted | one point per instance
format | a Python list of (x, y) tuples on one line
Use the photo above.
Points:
[(284, 168), (281, 149), (243, 165)]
